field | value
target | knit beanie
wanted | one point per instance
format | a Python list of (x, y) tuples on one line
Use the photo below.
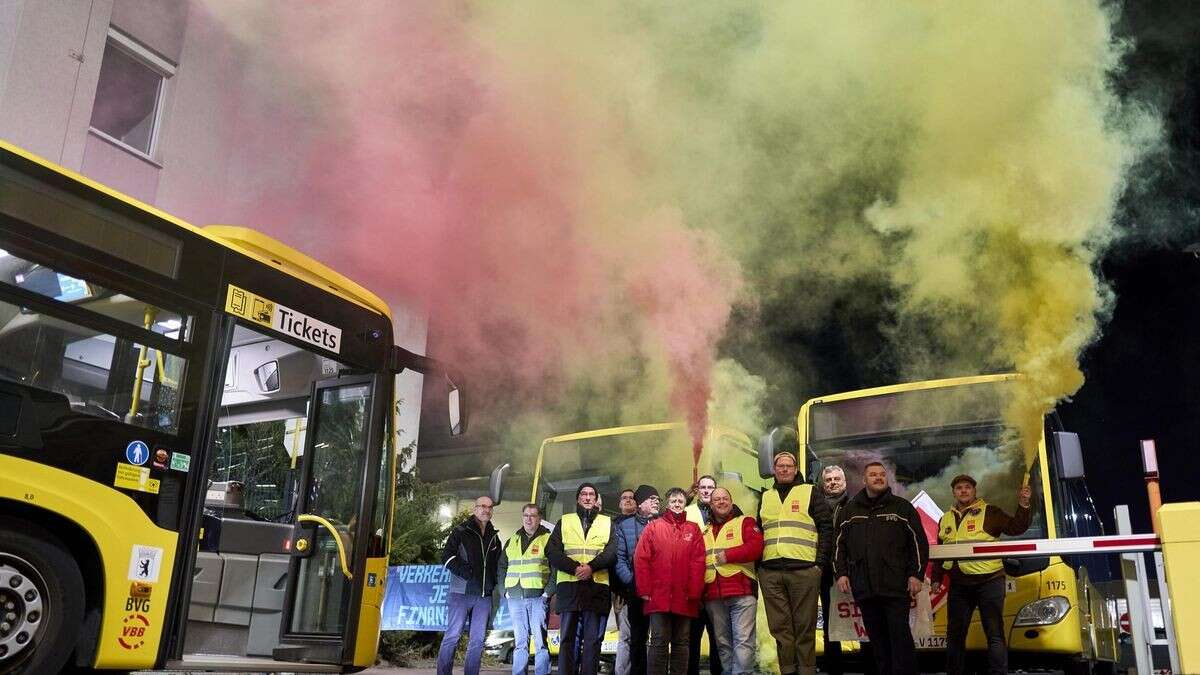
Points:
[(644, 492), (583, 485)]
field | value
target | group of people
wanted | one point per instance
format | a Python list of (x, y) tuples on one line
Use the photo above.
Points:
[(669, 574)]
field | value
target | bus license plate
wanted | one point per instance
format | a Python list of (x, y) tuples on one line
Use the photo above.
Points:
[(931, 642)]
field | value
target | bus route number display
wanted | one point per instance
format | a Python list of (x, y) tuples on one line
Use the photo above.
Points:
[(252, 307)]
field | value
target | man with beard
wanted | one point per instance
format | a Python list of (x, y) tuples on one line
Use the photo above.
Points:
[(977, 583), (582, 550), (880, 556)]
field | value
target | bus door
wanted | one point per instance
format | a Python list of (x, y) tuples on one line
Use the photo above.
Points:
[(338, 473)]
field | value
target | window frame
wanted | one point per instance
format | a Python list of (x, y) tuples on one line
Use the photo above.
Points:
[(85, 318), (158, 65)]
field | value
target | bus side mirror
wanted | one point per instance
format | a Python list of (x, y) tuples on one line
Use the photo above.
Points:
[(458, 410), (778, 439), (400, 359), (496, 482), (1069, 455)]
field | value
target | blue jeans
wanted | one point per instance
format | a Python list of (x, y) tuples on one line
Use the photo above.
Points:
[(461, 608), (733, 621), (529, 619)]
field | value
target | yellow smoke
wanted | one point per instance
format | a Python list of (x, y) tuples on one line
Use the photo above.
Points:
[(971, 154)]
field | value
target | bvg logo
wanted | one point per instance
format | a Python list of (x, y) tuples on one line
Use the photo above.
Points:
[(133, 632), (137, 604)]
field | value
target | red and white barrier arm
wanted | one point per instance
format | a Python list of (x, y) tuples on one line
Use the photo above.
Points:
[(1040, 547)]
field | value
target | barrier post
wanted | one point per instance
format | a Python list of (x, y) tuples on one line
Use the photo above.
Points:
[(1181, 556), (1164, 601), (1133, 572)]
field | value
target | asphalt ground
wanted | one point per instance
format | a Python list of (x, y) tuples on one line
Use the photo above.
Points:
[(425, 670)]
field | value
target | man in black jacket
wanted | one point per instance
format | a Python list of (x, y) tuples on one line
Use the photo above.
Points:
[(582, 552), (833, 486), (472, 555), (880, 555)]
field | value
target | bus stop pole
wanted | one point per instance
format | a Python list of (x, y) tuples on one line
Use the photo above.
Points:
[(1134, 575)]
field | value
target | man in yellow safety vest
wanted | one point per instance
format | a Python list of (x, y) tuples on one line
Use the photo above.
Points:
[(733, 544), (977, 583), (582, 550), (797, 531), (524, 571)]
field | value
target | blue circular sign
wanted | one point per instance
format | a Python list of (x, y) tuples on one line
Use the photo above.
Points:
[(137, 452)]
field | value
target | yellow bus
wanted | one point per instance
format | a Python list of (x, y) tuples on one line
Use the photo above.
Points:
[(196, 469), (928, 432)]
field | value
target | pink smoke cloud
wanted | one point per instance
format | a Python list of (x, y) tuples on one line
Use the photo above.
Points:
[(410, 164)]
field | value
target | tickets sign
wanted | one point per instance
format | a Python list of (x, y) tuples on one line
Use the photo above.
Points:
[(264, 312)]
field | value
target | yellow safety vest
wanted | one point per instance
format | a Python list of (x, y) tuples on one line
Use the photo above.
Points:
[(528, 568), (730, 537), (582, 549), (788, 530), (970, 528), (693, 514)]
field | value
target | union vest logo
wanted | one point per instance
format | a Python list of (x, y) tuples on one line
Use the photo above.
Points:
[(729, 534), (795, 507), (534, 548), (971, 526)]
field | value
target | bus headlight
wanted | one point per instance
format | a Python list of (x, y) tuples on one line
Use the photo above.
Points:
[(1043, 612)]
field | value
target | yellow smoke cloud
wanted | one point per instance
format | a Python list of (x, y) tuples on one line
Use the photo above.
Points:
[(970, 154)]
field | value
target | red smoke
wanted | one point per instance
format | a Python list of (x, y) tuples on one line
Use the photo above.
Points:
[(397, 155)]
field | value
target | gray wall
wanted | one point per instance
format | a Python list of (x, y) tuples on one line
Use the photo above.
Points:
[(211, 161)]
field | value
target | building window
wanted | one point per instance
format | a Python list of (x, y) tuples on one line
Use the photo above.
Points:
[(129, 96)]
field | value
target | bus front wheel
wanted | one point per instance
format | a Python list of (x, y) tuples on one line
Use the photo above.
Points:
[(41, 600)]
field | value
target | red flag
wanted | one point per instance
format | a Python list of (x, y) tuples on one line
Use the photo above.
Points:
[(931, 516)]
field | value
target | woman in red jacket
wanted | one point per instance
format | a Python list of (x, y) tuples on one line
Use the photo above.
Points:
[(669, 573)]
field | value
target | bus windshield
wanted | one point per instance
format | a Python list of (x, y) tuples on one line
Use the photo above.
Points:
[(660, 456), (926, 437)]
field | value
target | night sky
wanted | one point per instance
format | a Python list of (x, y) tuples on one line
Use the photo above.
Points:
[(1142, 374)]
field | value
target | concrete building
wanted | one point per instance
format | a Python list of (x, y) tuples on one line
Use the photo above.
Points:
[(136, 94)]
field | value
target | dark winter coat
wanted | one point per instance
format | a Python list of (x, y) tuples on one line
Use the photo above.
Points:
[(835, 507), (587, 595), (669, 565), (472, 558), (627, 532), (880, 544)]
